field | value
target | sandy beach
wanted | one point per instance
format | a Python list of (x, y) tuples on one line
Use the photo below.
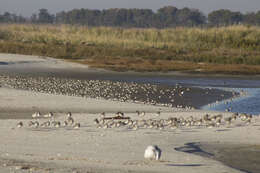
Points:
[(94, 148)]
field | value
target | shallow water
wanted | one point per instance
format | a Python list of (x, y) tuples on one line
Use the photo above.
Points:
[(248, 103), (245, 104)]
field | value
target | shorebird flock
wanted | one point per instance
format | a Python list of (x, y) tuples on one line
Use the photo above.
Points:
[(39, 121), (153, 94), (120, 120), (171, 123)]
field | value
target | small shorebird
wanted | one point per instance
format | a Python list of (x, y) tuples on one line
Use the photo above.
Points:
[(36, 115), (56, 124), (69, 114), (30, 123), (243, 116), (121, 114), (70, 120), (103, 114), (20, 124), (141, 114), (46, 124), (228, 120), (218, 122), (36, 124), (135, 127), (158, 113), (152, 152), (248, 121), (76, 126), (65, 123), (96, 121), (49, 115)]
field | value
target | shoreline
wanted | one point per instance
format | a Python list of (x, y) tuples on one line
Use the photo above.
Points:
[(132, 92), (53, 147), (57, 65), (243, 157), (239, 156), (65, 149), (56, 73)]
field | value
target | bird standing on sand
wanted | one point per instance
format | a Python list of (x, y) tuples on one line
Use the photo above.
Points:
[(96, 121), (56, 124), (70, 120), (46, 124), (49, 115), (69, 114), (120, 114), (76, 126), (141, 114), (36, 124), (65, 123), (158, 113), (30, 123), (36, 115), (102, 115), (20, 124), (152, 152)]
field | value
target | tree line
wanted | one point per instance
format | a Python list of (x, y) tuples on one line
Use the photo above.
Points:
[(168, 16)]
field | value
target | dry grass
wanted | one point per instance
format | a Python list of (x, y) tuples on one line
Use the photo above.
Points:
[(124, 64), (238, 47)]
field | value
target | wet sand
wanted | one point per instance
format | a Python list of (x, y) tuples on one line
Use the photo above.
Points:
[(242, 157), (67, 150)]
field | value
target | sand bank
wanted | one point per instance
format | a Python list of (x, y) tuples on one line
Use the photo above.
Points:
[(100, 150), (92, 149)]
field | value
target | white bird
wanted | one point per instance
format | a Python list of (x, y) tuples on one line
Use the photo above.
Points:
[(152, 152)]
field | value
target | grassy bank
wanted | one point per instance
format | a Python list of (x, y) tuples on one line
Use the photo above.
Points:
[(234, 49)]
